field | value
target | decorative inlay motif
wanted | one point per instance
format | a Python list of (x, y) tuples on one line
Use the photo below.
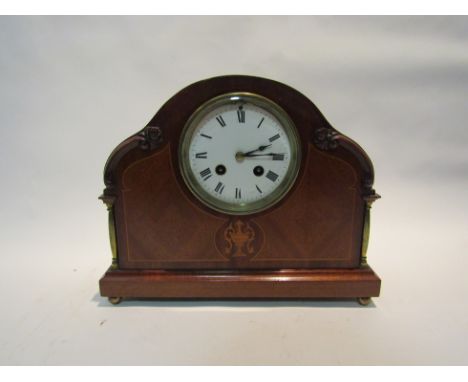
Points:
[(239, 239)]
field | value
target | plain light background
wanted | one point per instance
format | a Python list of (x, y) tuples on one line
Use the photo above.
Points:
[(72, 88)]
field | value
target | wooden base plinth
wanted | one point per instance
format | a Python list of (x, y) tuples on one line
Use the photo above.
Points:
[(274, 284)]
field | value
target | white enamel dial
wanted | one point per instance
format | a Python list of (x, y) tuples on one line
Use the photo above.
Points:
[(239, 153)]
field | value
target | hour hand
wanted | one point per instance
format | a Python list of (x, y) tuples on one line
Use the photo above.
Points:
[(261, 148)]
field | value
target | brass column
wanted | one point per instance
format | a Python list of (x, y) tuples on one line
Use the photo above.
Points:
[(109, 202), (369, 199)]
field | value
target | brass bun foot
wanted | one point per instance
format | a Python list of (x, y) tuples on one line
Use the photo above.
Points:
[(114, 300), (364, 300)]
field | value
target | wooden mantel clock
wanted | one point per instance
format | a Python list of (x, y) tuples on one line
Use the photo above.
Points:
[(239, 188)]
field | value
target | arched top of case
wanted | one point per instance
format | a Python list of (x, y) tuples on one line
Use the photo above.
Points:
[(165, 127)]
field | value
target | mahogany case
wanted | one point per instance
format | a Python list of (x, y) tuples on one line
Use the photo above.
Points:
[(167, 244)]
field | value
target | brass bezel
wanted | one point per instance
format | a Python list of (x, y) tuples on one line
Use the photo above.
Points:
[(235, 98)]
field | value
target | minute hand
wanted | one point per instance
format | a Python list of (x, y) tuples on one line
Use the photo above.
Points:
[(274, 156)]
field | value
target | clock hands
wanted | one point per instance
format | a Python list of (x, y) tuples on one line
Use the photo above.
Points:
[(251, 154)]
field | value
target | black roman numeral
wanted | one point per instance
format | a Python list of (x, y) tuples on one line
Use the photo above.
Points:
[(220, 120), (206, 174), (258, 189), (219, 188), (278, 157), (238, 193), (241, 115), (274, 137), (272, 176), (261, 121), (201, 155)]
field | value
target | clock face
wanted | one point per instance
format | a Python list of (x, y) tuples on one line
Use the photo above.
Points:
[(239, 153)]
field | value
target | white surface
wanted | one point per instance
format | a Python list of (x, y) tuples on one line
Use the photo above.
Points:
[(72, 85), (235, 138)]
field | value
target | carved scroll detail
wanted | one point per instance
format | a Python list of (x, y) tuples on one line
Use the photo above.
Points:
[(152, 137), (325, 138)]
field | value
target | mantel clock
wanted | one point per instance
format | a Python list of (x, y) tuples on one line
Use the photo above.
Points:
[(239, 188)]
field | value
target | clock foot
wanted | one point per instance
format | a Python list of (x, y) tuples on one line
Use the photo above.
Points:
[(114, 300), (364, 300)]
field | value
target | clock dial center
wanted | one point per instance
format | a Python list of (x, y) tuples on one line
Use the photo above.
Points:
[(239, 157)]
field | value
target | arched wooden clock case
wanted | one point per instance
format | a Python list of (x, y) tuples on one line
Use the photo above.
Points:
[(166, 244)]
